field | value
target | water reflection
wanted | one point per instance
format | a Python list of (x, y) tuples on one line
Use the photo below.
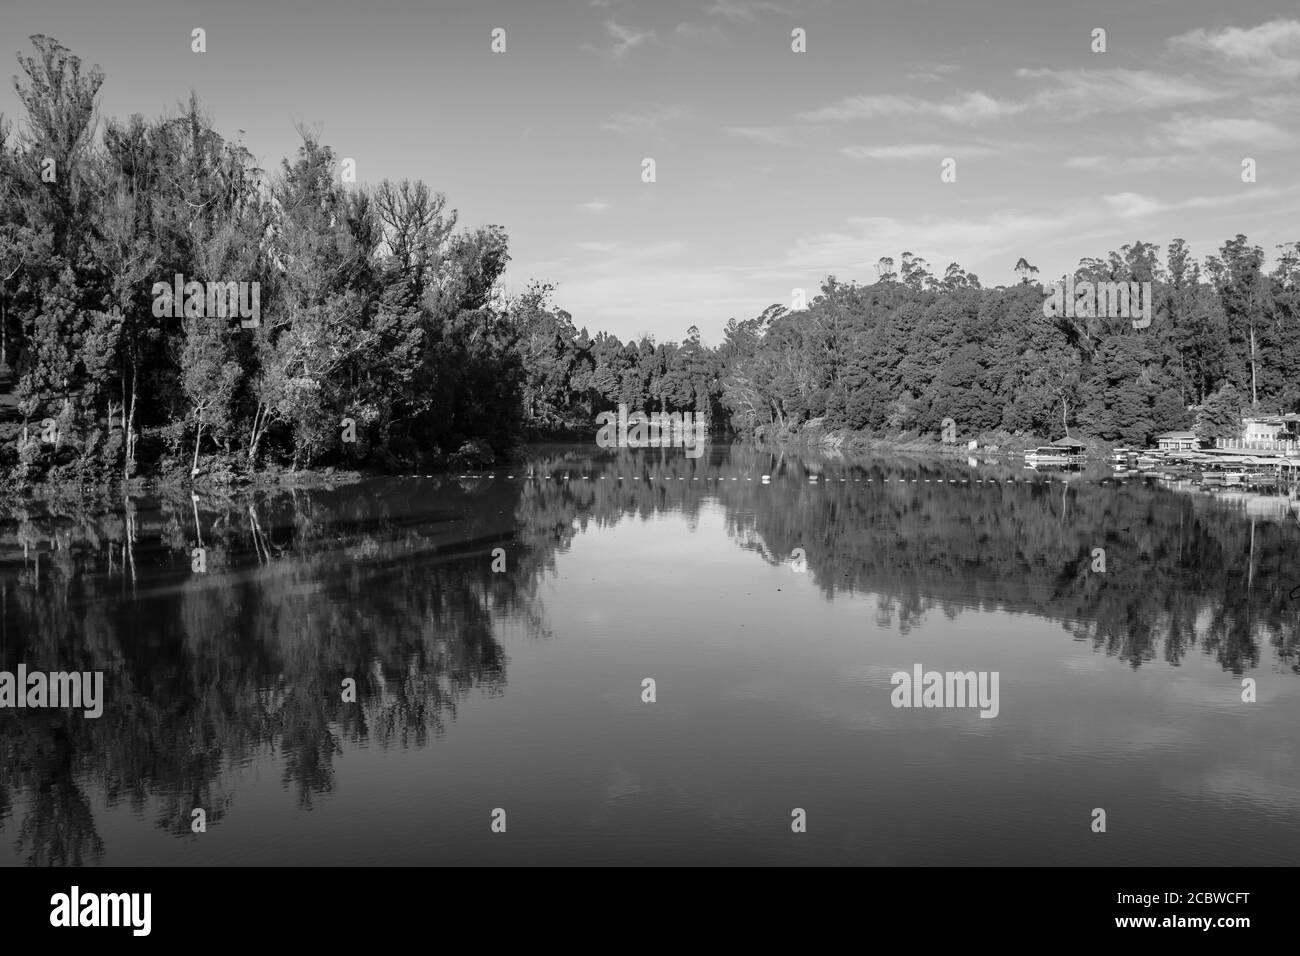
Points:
[(392, 584)]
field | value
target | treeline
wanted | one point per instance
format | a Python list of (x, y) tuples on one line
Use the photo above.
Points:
[(370, 304), (380, 337), (910, 350), (382, 340), (904, 353)]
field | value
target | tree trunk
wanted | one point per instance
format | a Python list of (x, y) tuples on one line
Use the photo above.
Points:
[(260, 416), (198, 436), (1254, 392), (128, 463)]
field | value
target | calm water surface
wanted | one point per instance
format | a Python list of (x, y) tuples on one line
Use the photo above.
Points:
[(521, 689)]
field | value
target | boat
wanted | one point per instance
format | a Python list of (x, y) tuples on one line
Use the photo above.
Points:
[(1052, 455), (1257, 478), (1119, 458)]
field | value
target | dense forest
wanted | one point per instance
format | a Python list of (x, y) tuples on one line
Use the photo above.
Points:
[(382, 340)]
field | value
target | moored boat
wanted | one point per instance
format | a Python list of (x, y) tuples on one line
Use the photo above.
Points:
[(1054, 456)]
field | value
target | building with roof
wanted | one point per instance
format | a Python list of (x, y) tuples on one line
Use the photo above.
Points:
[(1266, 433), (1178, 441)]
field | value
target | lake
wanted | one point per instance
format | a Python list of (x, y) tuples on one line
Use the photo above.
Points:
[(394, 672)]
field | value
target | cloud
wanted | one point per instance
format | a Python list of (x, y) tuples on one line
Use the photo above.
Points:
[(914, 151), (1276, 103), (1233, 199), (747, 10), (616, 280), (1270, 50), (932, 72), (972, 107), (1198, 132), (695, 32), (1071, 93), (1000, 235), (1082, 92), (632, 251), (595, 206), (939, 239), (772, 135), (624, 39), (1130, 205), (648, 125), (859, 107), (1124, 165)]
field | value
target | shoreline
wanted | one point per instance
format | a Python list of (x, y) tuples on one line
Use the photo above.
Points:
[(989, 444)]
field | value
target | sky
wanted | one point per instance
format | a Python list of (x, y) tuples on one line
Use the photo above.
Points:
[(773, 168)]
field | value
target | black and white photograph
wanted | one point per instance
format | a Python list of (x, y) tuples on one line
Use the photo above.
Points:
[(626, 434)]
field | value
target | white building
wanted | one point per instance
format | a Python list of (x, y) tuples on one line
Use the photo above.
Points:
[(1267, 432), (1262, 429)]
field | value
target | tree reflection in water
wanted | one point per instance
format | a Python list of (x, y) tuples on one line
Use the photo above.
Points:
[(390, 582)]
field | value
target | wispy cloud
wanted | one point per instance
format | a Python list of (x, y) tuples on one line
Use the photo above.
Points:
[(622, 40), (772, 135), (647, 125), (634, 250), (939, 239), (931, 72), (1270, 50), (914, 151), (594, 206), (1006, 232), (1128, 165), (1277, 103), (690, 31), (971, 107), (1068, 93), (1198, 132), (617, 279), (1080, 92), (748, 10), (1131, 205)]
